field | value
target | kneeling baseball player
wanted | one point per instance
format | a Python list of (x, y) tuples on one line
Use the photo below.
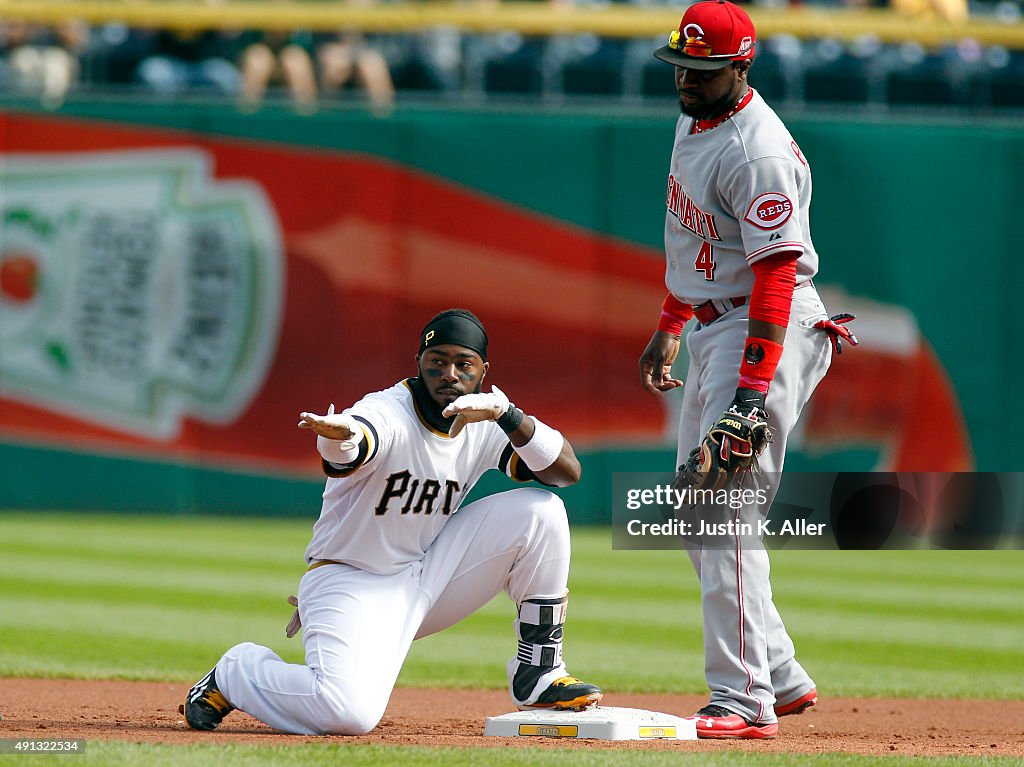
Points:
[(394, 557)]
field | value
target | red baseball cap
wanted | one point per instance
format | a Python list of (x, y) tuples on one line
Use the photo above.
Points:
[(712, 34)]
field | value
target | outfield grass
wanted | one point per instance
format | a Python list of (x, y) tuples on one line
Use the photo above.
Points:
[(160, 598)]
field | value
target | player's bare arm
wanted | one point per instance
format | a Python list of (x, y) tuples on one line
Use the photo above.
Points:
[(661, 352), (564, 471), (656, 363)]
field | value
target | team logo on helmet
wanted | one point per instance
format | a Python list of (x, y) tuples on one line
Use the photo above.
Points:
[(769, 210), (695, 45)]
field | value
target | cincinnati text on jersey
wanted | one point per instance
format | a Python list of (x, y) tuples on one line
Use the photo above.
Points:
[(689, 215)]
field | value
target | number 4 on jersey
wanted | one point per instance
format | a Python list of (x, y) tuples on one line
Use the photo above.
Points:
[(706, 261)]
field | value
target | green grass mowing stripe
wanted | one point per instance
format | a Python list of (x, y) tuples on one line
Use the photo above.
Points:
[(146, 623), (102, 582), (190, 537), (967, 604), (117, 753), (842, 671), (988, 568), (158, 584), (935, 631), (176, 555), (107, 652), (835, 677), (902, 636), (226, 554)]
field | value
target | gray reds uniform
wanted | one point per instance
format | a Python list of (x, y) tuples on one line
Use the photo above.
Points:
[(740, 259), (748, 183), (395, 556), (736, 195)]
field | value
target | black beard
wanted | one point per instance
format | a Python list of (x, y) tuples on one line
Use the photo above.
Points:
[(428, 406), (712, 110)]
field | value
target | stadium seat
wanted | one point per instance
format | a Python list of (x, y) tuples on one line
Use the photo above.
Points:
[(657, 80), (927, 83), (845, 79), (1007, 88), (768, 77), (595, 73), (514, 66)]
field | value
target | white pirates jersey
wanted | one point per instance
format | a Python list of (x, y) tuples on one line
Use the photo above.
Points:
[(382, 511), (737, 193)]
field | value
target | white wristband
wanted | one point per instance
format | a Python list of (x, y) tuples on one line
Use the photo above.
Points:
[(338, 451), (543, 448)]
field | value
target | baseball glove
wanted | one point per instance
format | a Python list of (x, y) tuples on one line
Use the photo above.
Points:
[(731, 446)]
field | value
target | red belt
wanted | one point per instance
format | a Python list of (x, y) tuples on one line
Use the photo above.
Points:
[(709, 311)]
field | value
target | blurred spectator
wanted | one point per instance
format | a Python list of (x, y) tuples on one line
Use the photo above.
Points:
[(44, 61), (272, 56), (116, 51), (947, 10), (349, 54), (183, 60)]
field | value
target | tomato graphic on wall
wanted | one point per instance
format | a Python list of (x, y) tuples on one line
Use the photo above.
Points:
[(19, 276)]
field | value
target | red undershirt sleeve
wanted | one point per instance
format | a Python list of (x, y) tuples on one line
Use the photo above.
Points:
[(772, 296)]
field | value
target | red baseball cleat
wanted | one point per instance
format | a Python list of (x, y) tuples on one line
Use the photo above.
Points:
[(799, 705), (717, 722)]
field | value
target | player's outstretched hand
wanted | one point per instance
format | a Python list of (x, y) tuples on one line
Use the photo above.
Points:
[(470, 408), (333, 426), (656, 363), (836, 332), (295, 623)]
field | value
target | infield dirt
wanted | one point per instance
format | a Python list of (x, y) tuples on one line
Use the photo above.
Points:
[(148, 712)]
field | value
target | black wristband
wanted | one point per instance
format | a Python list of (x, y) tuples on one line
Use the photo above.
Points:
[(750, 397), (511, 419)]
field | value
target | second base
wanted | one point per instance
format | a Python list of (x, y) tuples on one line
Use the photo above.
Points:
[(599, 723)]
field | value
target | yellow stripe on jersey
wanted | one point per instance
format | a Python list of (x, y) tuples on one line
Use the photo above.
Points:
[(367, 448), (518, 470)]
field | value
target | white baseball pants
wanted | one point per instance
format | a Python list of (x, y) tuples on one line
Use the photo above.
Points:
[(358, 627)]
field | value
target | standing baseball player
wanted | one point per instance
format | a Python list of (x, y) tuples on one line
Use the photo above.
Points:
[(395, 557), (739, 259)]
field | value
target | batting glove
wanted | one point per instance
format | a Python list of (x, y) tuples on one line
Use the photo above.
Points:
[(295, 623), (836, 332), (471, 408)]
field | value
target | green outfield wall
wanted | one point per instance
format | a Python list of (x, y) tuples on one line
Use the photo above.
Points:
[(914, 217)]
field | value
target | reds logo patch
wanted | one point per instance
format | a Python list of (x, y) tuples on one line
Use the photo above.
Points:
[(769, 210)]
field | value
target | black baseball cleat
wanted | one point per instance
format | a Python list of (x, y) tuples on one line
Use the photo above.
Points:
[(205, 706), (568, 694)]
